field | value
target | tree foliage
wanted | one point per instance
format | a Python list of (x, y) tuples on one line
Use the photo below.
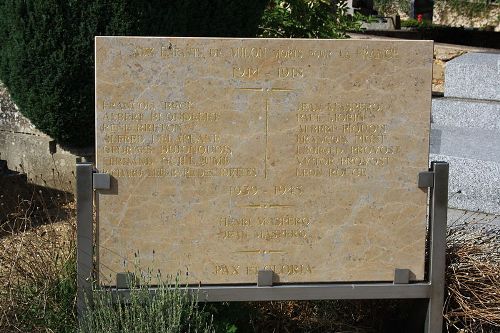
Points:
[(392, 7), (46, 54), (307, 19)]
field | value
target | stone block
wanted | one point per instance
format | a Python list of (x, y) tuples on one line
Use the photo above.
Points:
[(30, 151), (473, 75), (479, 144), (466, 133), (466, 113), (474, 184)]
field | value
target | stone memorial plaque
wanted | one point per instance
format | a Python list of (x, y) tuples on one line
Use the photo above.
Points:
[(230, 156)]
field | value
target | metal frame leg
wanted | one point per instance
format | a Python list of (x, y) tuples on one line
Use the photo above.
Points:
[(432, 292), (84, 235), (437, 258)]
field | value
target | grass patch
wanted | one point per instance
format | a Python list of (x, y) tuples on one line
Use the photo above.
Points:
[(38, 289), (169, 310), (38, 267)]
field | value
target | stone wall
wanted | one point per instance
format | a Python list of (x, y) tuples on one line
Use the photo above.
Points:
[(29, 151), (465, 131), (445, 15)]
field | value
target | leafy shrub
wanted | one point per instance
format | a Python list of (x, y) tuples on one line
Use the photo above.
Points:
[(392, 7), (46, 54), (413, 23), (46, 58), (307, 19), (469, 9)]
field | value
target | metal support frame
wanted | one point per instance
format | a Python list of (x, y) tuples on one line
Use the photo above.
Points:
[(265, 278), (84, 235), (438, 213), (432, 290)]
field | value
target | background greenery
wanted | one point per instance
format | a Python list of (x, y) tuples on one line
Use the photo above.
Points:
[(307, 19), (46, 54)]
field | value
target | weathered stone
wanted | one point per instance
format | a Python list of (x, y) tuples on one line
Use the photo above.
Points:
[(230, 156), (466, 142), (466, 133), (444, 52), (471, 114), (27, 149), (474, 184), (473, 75)]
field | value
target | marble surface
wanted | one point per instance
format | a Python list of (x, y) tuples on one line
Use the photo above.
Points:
[(229, 156)]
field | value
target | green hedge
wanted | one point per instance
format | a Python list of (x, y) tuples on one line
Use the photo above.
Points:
[(46, 49)]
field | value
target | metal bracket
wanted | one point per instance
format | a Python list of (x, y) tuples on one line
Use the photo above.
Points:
[(125, 280), (101, 181), (426, 179), (432, 291), (401, 276), (265, 278)]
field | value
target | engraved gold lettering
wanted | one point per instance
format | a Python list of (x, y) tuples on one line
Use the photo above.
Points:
[(309, 117), (316, 160), (207, 117), (222, 269), (383, 150), (288, 190), (229, 221), (290, 72), (140, 51), (287, 54), (344, 54), (283, 220), (122, 116), (309, 172), (252, 270), (233, 235), (363, 161), (128, 105), (170, 51), (125, 149), (317, 128), (337, 172), (129, 139), (189, 138), (178, 105), (319, 139), (369, 139), (318, 150), (367, 53), (270, 235), (321, 54), (109, 161), (248, 52), (243, 190), (362, 128), (249, 72), (289, 269), (195, 149), (215, 52)]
